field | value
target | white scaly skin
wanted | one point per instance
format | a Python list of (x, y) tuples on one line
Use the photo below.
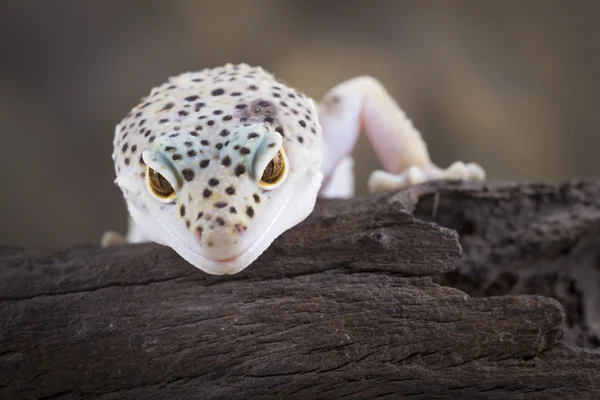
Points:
[(212, 133)]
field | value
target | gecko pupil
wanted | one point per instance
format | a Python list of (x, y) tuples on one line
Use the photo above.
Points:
[(159, 184), (273, 170)]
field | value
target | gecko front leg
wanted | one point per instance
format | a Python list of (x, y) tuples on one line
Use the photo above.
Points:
[(363, 104)]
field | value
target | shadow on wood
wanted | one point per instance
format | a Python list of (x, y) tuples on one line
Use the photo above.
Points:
[(351, 303)]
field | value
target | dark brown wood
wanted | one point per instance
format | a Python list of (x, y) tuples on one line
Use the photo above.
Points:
[(525, 239), (347, 305)]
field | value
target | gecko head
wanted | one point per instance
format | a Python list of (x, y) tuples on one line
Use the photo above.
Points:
[(220, 203)]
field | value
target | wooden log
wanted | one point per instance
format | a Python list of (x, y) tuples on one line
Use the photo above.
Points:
[(525, 239), (345, 305)]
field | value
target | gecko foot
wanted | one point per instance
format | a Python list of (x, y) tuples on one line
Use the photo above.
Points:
[(112, 238), (380, 181)]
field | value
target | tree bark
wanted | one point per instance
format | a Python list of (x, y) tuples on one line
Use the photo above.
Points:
[(361, 300)]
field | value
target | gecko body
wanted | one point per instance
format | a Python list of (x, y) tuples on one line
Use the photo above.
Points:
[(217, 163)]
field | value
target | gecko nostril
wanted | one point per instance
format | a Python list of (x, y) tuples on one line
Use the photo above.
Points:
[(240, 229), (199, 234)]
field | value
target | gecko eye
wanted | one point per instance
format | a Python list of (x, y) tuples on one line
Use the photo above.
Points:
[(159, 186), (275, 172)]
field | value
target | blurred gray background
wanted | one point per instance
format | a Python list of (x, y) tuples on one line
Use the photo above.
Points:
[(513, 85)]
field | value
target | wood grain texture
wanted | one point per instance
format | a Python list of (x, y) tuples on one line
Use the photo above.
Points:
[(353, 303)]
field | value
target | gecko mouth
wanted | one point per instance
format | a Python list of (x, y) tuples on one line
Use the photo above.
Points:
[(248, 253), (291, 209)]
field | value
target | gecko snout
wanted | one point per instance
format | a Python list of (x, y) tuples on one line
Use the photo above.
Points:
[(220, 242)]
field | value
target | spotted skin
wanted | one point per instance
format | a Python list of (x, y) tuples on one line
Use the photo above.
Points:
[(211, 134), (210, 129)]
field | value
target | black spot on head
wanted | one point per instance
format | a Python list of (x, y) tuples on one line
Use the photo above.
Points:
[(204, 163), (191, 153), (217, 92), (250, 211), (191, 98), (239, 170), (269, 120), (302, 123), (148, 132), (182, 210), (174, 134), (230, 190), (245, 150), (198, 106), (264, 103), (164, 120), (200, 214), (124, 148), (142, 122), (221, 204), (176, 157), (133, 148), (226, 161), (194, 133), (188, 174), (252, 87), (188, 144), (207, 193), (127, 161), (187, 223), (217, 112), (204, 142), (241, 106), (183, 113), (219, 146), (300, 139), (227, 118), (170, 148), (271, 145), (224, 132), (213, 182), (151, 139), (168, 106), (232, 210), (220, 221), (210, 122), (253, 135), (313, 130), (256, 198), (236, 147), (236, 94)]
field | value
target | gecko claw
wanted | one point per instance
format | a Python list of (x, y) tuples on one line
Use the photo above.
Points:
[(112, 238)]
